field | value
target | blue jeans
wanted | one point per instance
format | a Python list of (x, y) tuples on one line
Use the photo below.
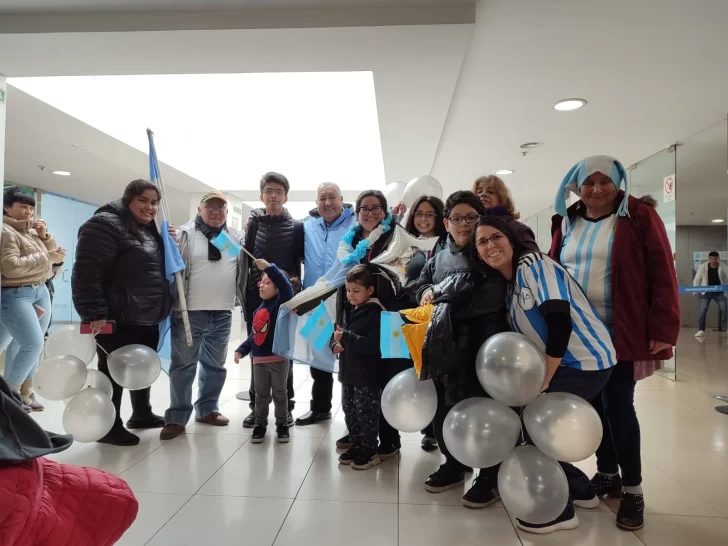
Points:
[(210, 336), (705, 299), (21, 331)]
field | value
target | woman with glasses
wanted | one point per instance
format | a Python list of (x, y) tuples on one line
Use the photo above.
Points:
[(497, 200), (547, 306), (469, 308)]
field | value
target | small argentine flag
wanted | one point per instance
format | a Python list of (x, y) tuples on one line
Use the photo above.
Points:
[(319, 328), (391, 341)]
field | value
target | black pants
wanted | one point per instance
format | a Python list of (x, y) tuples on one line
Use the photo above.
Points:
[(251, 304), (442, 410), (388, 435), (322, 390), (361, 413), (127, 335), (620, 447)]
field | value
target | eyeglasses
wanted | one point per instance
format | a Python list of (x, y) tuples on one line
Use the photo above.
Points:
[(428, 215), (376, 209), (269, 192), (264, 282), (495, 239), (468, 218), (215, 208)]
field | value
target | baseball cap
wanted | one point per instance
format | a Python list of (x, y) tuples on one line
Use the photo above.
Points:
[(213, 195)]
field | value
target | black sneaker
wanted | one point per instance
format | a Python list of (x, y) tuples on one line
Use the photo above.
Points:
[(631, 514), (587, 499), (566, 521), (482, 494), (364, 461), (443, 479), (145, 421), (349, 456), (249, 421), (119, 436), (607, 485), (258, 434), (283, 436), (344, 442), (429, 443), (387, 451), (311, 418)]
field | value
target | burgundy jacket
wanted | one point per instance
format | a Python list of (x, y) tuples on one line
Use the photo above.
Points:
[(644, 284)]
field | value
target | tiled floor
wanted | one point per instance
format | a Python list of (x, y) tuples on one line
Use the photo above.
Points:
[(212, 486)]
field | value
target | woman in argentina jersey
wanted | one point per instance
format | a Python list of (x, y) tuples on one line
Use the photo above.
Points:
[(547, 306)]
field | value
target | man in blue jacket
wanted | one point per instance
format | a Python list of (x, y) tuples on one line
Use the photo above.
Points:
[(323, 230)]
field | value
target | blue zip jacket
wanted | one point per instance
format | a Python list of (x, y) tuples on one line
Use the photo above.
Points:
[(321, 243)]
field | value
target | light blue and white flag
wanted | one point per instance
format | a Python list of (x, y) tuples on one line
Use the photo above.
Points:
[(391, 340), (319, 328), (289, 343)]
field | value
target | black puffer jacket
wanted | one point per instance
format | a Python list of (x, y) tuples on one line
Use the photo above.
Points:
[(470, 306), (118, 275), (277, 239), (361, 359)]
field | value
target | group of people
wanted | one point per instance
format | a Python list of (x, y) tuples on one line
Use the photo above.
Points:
[(601, 303)]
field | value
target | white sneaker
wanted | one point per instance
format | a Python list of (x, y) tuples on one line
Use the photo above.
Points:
[(700, 333)]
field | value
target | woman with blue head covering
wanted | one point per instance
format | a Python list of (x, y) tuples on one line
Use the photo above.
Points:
[(617, 249)]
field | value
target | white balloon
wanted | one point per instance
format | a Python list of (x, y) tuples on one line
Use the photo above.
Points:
[(60, 377), (96, 380), (89, 416), (68, 340), (481, 432), (564, 426), (135, 367), (419, 186), (409, 404), (394, 192), (400, 251)]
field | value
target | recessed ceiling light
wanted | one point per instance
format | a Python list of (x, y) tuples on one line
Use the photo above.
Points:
[(62, 173), (531, 145), (504, 171), (718, 221), (569, 104)]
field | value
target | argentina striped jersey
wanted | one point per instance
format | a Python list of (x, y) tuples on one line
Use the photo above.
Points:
[(538, 280)]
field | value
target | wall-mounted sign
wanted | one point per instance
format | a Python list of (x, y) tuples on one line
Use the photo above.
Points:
[(668, 185)]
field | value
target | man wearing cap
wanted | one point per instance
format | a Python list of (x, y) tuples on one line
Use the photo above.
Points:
[(213, 281)]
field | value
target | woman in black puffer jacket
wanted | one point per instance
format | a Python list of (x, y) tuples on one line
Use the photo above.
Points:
[(119, 276)]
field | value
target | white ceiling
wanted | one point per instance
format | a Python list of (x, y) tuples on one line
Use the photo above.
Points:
[(653, 74)]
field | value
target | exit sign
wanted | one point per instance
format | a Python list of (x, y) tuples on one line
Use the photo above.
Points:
[(2, 95)]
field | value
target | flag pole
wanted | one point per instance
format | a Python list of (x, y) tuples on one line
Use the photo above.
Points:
[(178, 281)]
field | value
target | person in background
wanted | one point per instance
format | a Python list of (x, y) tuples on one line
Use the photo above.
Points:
[(27, 255), (626, 248), (712, 273), (213, 280), (273, 235), (469, 308), (497, 200), (547, 306), (119, 276), (356, 343), (426, 220), (323, 230), (270, 372)]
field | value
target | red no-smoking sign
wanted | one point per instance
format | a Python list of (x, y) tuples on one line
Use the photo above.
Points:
[(669, 188)]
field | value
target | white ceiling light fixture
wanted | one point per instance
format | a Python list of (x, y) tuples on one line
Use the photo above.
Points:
[(567, 105), (531, 145), (504, 171), (62, 173), (718, 221)]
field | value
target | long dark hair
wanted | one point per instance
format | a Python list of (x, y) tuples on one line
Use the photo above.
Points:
[(436, 204), (372, 193), (134, 189), (501, 225)]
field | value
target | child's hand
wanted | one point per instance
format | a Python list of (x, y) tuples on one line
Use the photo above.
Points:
[(337, 348), (238, 356), (261, 264), (338, 334)]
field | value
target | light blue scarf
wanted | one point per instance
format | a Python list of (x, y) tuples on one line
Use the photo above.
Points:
[(576, 176)]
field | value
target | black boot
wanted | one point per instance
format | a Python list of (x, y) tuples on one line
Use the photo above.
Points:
[(607, 485), (149, 420), (119, 436), (631, 514)]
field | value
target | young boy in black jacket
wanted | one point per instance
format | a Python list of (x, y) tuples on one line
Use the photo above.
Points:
[(357, 345)]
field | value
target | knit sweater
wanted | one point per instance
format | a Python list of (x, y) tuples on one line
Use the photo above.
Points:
[(24, 256)]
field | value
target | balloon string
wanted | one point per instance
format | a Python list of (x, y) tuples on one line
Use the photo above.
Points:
[(102, 349)]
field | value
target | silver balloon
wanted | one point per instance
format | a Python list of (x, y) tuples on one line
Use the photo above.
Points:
[(409, 404), (532, 486), (403, 246), (60, 377), (511, 368), (419, 186), (96, 380), (68, 340), (89, 416), (481, 432), (394, 191), (564, 426), (135, 367)]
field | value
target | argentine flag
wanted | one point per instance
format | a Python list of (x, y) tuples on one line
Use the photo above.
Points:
[(391, 340), (288, 341), (319, 328)]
